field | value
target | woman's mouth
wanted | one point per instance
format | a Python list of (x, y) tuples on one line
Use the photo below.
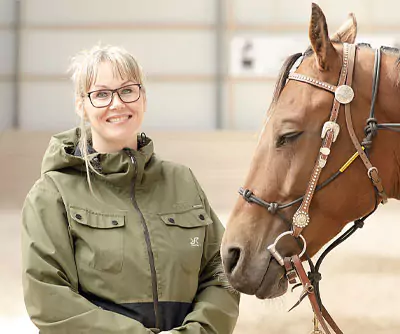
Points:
[(118, 119)]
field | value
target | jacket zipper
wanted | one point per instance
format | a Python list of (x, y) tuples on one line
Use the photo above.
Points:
[(148, 242)]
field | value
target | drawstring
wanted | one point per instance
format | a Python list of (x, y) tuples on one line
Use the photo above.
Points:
[(142, 140)]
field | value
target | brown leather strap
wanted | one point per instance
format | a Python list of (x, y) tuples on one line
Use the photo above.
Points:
[(330, 321), (301, 217), (311, 81), (323, 315), (371, 171), (291, 274), (294, 265), (310, 292)]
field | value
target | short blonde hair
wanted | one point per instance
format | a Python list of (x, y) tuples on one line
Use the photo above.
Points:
[(84, 67)]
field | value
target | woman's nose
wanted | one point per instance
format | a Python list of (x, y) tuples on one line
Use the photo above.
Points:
[(116, 101)]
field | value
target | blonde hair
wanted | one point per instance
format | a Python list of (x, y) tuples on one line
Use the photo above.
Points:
[(83, 69)]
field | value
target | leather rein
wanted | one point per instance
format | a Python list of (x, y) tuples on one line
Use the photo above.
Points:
[(344, 94)]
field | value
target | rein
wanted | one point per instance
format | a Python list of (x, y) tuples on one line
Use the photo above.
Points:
[(344, 94)]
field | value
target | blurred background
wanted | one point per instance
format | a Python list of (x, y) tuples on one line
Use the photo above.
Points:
[(210, 68)]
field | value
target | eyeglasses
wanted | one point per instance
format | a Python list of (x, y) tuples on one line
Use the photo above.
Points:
[(103, 98)]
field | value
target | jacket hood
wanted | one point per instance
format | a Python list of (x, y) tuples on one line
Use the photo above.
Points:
[(63, 153)]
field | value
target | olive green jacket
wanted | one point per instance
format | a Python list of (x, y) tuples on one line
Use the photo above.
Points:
[(141, 252)]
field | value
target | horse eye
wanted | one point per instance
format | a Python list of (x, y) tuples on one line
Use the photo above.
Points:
[(287, 138)]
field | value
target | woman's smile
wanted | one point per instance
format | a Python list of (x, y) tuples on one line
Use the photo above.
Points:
[(119, 119)]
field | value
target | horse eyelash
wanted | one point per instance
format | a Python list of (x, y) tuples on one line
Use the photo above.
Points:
[(287, 138)]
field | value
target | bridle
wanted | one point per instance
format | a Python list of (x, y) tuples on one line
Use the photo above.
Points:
[(344, 94)]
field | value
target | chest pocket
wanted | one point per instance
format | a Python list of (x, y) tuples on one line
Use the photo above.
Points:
[(186, 232), (99, 239)]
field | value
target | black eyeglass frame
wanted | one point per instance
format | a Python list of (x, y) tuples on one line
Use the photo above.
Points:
[(112, 94)]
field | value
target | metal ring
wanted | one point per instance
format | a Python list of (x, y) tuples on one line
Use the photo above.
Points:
[(276, 255), (371, 170)]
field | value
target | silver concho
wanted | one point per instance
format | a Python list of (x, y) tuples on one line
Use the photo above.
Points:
[(344, 94), (301, 219)]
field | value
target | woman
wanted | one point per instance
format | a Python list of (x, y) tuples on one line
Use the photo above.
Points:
[(116, 240)]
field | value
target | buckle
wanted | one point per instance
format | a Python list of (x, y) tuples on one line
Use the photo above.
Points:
[(330, 126)]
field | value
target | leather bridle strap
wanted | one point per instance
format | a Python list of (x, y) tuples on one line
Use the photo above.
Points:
[(331, 129), (372, 171), (294, 264)]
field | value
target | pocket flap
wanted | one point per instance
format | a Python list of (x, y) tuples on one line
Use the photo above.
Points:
[(195, 217), (97, 219)]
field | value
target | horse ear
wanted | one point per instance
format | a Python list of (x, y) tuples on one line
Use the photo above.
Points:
[(319, 38), (347, 32)]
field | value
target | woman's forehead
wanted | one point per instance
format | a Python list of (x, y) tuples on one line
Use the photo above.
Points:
[(108, 70), (106, 73)]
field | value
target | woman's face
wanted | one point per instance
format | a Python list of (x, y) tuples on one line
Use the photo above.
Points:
[(115, 126)]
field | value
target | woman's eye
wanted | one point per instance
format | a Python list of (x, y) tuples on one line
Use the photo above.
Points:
[(102, 94), (287, 138), (126, 91)]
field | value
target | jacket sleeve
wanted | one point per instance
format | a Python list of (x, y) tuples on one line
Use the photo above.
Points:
[(50, 279), (216, 305)]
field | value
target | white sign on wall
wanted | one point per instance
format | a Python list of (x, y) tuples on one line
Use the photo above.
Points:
[(263, 56)]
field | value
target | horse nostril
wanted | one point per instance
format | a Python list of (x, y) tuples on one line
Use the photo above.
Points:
[(232, 259)]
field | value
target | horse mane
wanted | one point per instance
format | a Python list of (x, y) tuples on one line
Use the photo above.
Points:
[(387, 49), (283, 75), (390, 50)]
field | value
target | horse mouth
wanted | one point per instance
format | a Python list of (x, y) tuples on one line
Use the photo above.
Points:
[(274, 283)]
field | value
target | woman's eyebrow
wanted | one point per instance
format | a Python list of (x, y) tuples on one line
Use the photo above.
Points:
[(105, 86)]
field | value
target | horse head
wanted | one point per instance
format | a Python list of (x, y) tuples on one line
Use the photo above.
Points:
[(286, 157)]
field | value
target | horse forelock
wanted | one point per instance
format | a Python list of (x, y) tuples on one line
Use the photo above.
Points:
[(282, 76), (280, 84)]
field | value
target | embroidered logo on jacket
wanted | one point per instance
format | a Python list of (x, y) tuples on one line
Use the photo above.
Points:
[(194, 242)]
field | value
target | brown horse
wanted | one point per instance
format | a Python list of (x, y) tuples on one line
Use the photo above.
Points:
[(283, 166)]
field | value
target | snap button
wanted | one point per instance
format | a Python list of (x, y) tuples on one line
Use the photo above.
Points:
[(78, 216), (171, 220), (201, 217), (114, 222)]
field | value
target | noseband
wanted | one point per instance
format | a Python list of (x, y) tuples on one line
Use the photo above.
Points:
[(343, 94)]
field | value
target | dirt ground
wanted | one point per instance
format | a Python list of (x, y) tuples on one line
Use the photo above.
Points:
[(359, 278)]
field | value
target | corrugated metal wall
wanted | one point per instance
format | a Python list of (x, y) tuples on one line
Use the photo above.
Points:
[(177, 43), (6, 63)]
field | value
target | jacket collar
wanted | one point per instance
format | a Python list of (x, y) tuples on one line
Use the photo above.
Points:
[(116, 168)]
